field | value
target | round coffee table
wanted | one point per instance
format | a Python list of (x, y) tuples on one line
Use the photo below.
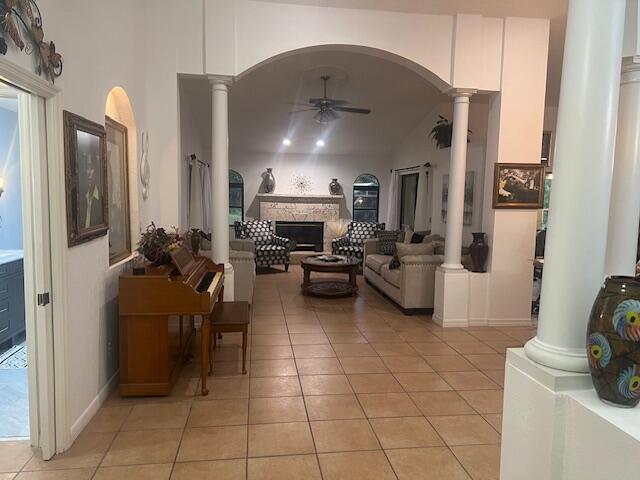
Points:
[(330, 287)]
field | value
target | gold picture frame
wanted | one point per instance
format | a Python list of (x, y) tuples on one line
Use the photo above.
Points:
[(85, 178)]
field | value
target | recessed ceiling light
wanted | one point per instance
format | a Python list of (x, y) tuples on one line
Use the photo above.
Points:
[(320, 143), (286, 142)]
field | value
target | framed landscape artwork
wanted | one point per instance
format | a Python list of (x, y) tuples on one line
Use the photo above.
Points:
[(85, 158), (469, 180), (518, 185), (118, 181)]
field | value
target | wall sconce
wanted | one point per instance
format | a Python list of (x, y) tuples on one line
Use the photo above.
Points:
[(1, 186)]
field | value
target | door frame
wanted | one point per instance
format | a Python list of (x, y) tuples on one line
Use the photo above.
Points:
[(46, 162)]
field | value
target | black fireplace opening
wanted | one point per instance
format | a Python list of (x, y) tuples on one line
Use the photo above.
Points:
[(304, 236)]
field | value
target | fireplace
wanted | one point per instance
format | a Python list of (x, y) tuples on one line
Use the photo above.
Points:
[(303, 235)]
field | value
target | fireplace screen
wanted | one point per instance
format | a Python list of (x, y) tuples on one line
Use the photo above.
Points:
[(303, 235)]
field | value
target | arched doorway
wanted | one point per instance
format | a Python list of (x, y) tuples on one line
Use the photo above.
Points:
[(122, 174)]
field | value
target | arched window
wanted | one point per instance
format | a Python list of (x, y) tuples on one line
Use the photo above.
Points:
[(366, 198), (236, 197)]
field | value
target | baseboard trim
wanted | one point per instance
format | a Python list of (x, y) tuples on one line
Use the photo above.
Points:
[(509, 322), (457, 322), (93, 407)]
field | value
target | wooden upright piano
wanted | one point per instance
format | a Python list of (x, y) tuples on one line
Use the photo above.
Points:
[(157, 312)]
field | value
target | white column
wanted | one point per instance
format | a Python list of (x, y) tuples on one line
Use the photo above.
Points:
[(624, 212), (451, 291), (457, 173), (579, 210), (220, 180)]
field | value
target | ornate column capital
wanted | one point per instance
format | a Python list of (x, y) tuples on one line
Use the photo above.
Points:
[(461, 92), (226, 80)]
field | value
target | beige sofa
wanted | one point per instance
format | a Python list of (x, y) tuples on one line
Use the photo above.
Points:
[(411, 286)]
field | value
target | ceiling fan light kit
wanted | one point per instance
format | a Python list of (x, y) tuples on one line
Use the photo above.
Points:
[(326, 108)]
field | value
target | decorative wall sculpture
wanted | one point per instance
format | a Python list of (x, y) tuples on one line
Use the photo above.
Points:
[(21, 21)]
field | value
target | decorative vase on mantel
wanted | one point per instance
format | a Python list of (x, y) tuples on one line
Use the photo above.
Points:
[(479, 252), (613, 342), (269, 181), (334, 187)]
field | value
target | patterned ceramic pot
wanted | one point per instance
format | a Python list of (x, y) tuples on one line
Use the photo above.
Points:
[(613, 342), (269, 181), (334, 187)]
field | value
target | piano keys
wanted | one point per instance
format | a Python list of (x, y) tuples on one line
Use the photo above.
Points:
[(157, 312)]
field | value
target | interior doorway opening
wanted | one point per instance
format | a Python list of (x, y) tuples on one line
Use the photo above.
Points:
[(14, 379)]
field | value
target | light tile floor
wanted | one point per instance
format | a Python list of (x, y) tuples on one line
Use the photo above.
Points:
[(337, 389)]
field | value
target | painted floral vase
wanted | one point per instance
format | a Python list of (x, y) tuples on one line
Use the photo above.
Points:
[(479, 251), (334, 187), (269, 181), (613, 342)]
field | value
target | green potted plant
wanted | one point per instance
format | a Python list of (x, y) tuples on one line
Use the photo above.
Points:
[(156, 244), (442, 132)]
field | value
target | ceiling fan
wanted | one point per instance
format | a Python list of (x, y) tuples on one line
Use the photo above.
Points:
[(327, 107)]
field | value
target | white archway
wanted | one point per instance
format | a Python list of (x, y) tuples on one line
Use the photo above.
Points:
[(118, 107)]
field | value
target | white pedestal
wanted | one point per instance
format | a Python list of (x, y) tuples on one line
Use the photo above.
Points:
[(554, 427), (478, 299), (451, 298)]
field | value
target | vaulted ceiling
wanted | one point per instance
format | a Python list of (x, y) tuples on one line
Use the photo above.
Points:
[(262, 102)]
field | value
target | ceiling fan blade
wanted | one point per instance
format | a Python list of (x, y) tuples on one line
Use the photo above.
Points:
[(299, 104), (303, 110), (364, 111), (316, 101)]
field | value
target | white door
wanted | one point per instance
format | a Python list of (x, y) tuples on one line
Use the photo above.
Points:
[(37, 271)]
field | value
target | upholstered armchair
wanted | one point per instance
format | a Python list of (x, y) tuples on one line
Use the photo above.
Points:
[(270, 248), (352, 245)]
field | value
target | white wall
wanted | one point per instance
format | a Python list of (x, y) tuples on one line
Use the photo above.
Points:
[(320, 168)]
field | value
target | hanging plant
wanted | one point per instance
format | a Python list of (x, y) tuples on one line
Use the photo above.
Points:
[(442, 133), (22, 18)]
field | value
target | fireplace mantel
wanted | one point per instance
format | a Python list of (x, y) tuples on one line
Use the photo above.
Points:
[(280, 197), (301, 208)]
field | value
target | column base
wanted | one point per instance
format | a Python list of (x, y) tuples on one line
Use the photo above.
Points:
[(451, 298), (228, 282), (569, 360), (555, 427)]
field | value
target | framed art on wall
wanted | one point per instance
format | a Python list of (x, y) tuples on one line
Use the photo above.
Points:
[(518, 185), (86, 179), (469, 180), (547, 148), (118, 181)]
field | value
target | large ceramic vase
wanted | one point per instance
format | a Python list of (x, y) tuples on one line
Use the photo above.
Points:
[(334, 187), (613, 342), (269, 181), (479, 251)]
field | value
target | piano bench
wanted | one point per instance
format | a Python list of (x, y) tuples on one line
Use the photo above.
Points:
[(230, 317)]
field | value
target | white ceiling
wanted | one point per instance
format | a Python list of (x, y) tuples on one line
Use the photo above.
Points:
[(554, 10), (260, 104)]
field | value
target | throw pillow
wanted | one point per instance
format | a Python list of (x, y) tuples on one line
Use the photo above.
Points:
[(414, 249), (387, 241), (408, 235), (416, 238)]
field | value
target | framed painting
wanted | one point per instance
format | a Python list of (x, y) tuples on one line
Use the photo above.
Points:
[(118, 181), (518, 185), (547, 148), (469, 180), (85, 158)]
